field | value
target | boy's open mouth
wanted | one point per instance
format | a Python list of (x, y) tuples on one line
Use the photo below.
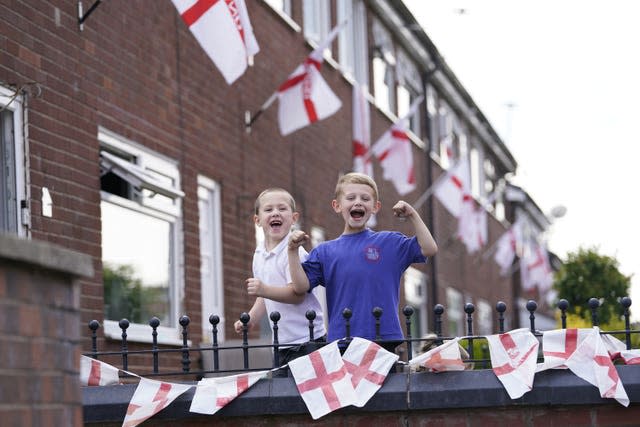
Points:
[(275, 223), (357, 213)]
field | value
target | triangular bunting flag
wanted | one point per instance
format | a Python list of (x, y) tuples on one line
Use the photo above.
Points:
[(150, 398), (323, 381), (94, 372), (513, 358), (368, 364), (212, 394)]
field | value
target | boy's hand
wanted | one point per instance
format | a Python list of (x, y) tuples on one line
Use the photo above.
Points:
[(238, 326), (297, 239), (254, 286), (403, 210)]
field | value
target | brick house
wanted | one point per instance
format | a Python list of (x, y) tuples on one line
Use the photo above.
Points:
[(122, 141)]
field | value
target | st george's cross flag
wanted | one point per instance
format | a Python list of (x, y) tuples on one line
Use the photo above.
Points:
[(559, 344), (445, 357), (212, 394), (323, 381), (588, 355), (94, 372), (223, 30), (472, 225), (361, 142), (535, 269), (150, 398), (507, 246), (305, 97), (368, 364), (393, 151), (513, 359), (451, 189)]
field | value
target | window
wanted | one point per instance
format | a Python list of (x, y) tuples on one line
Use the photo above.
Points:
[(383, 68), (455, 312), (405, 99), (211, 284), (409, 89), (483, 318), (14, 214), (142, 252), (283, 6), (352, 41), (316, 19), (476, 172), (415, 291)]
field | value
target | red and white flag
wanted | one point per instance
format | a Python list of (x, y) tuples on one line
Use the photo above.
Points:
[(535, 269), (323, 381), (513, 358), (472, 225), (507, 247), (361, 132), (445, 357), (223, 30), (393, 151), (368, 364), (212, 394), (591, 361), (560, 344), (305, 97), (451, 189), (150, 398), (94, 372)]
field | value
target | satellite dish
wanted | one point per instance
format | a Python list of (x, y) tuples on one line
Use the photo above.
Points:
[(558, 211)]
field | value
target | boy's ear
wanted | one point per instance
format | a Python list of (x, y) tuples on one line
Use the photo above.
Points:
[(295, 216), (335, 206), (376, 206)]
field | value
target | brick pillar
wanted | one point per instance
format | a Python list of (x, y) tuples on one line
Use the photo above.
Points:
[(39, 333)]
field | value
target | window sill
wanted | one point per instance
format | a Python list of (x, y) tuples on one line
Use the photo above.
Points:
[(139, 333)]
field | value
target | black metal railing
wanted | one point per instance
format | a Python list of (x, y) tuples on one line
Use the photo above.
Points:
[(215, 349)]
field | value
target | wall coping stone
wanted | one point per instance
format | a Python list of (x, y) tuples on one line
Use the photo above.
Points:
[(400, 392), (45, 255)]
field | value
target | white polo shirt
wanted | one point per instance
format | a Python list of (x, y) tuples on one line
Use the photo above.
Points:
[(272, 268)]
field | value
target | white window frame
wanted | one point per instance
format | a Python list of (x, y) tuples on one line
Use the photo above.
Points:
[(147, 161), (211, 282), (484, 318), (316, 15), (352, 40), (455, 312), (415, 292), (14, 102)]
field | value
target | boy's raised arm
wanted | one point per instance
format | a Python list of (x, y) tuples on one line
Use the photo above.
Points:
[(299, 278), (428, 245)]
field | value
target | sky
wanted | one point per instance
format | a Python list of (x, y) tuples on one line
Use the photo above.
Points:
[(559, 81)]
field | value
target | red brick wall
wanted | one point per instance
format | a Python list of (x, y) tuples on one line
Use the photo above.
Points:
[(39, 338)]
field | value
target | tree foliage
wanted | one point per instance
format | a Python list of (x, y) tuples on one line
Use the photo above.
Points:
[(587, 274)]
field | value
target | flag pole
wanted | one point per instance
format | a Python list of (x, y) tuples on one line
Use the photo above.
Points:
[(429, 192), (249, 119)]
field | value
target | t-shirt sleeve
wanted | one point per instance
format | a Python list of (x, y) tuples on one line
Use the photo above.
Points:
[(313, 268), (407, 248)]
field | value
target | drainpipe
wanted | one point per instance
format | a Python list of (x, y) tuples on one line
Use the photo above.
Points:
[(427, 127)]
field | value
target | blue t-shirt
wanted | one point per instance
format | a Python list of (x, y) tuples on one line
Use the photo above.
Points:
[(362, 271)]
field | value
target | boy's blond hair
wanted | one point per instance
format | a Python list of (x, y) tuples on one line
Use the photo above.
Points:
[(356, 178), (292, 202)]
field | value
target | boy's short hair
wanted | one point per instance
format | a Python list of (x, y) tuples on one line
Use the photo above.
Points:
[(292, 202), (356, 178)]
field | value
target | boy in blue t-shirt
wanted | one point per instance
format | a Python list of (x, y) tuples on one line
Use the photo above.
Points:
[(362, 268)]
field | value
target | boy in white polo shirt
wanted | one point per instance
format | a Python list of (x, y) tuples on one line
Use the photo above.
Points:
[(275, 212)]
